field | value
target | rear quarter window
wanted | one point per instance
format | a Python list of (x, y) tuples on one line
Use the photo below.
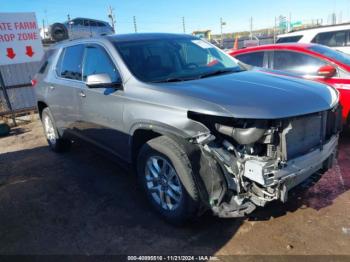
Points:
[(46, 60)]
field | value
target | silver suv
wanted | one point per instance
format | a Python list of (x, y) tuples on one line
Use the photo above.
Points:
[(201, 131), (77, 28)]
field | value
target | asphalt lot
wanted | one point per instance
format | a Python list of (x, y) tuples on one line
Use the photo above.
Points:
[(82, 203)]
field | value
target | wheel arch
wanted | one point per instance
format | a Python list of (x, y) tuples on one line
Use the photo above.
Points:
[(145, 131), (41, 106)]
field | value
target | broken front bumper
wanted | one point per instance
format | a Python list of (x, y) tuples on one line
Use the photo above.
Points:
[(294, 171), (273, 184), (299, 169)]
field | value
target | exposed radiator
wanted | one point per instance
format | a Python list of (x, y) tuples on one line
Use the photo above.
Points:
[(302, 135), (306, 133)]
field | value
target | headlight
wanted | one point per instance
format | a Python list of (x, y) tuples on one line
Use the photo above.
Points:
[(334, 95)]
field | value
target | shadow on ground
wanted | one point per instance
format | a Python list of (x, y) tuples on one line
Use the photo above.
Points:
[(82, 203)]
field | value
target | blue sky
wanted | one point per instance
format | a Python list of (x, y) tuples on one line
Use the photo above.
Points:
[(166, 15)]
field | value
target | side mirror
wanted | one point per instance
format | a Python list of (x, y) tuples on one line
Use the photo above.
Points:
[(101, 81), (327, 71)]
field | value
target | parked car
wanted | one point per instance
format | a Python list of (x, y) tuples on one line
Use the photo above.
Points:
[(201, 131), (77, 28), (311, 61), (334, 36)]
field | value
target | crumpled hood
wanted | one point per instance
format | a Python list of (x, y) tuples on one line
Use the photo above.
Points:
[(257, 94)]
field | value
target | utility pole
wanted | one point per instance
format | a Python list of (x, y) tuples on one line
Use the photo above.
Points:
[(44, 27), (251, 27), (135, 25), (274, 30), (111, 17), (334, 18), (222, 23), (47, 19), (183, 25), (290, 22)]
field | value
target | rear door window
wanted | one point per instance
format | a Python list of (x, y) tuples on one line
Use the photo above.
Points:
[(97, 61), (289, 39), (335, 38), (298, 63), (69, 64), (254, 59)]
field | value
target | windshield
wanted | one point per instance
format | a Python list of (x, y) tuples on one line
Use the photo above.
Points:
[(331, 53), (175, 59)]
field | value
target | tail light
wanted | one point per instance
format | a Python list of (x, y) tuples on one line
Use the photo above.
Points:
[(34, 82)]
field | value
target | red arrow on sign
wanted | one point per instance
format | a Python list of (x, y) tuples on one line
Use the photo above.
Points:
[(29, 51), (10, 53)]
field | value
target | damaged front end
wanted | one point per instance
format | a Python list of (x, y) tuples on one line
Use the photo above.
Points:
[(246, 163)]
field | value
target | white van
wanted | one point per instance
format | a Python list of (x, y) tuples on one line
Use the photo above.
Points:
[(335, 36)]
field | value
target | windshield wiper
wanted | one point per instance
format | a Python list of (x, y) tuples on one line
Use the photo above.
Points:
[(172, 79), (180, 79), (219, 72)]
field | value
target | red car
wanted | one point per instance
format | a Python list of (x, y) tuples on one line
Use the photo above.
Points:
[(310, 61)]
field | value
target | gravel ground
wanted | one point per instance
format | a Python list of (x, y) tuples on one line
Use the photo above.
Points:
[(82, 203)]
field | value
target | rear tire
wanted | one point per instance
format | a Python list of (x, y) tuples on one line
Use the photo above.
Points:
[(56, 143), (174, 194)]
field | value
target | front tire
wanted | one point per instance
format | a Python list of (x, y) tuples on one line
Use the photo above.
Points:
[(165, 173), (56, 143)]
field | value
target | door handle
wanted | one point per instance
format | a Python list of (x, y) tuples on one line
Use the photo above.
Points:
[(82, 94)]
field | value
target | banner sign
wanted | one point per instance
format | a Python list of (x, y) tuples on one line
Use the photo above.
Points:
[(20, 40)]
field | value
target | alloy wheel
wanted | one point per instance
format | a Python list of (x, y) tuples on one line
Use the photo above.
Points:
[(163, 183), (49, 130)]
